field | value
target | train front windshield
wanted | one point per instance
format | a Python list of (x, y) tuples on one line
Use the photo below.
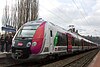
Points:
[(27, 31)]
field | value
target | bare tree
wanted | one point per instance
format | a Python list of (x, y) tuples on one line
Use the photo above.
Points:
[(14, 18), (5, 17), (27, 11), (21, 12)]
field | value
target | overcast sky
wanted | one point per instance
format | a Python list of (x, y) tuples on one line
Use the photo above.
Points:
[(83, 14)]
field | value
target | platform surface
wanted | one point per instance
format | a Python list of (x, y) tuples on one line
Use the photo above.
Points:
[(96, 61), (4, 54)]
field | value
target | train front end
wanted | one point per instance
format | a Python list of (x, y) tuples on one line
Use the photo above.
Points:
[(28, 40)]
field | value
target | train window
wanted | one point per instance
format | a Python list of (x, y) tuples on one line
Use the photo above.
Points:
[(73, 42), (67, 39), (51, 33), (31, 26), (56, 39), (76, 42), (85, 43), (80, 44), (62, 39), (27, 31)]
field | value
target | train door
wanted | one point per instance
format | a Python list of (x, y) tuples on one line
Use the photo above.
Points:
[(67, 41), (82, 43), (69, 46), (89, 45), (51, 41)]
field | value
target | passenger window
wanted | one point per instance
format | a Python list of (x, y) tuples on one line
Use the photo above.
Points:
[(62, 40), (51, 33), (73, 41)]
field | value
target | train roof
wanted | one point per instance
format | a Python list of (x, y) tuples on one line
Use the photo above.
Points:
[(79, 37), (38, 21)]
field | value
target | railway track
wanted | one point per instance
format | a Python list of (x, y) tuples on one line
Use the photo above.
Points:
[(80, 60)]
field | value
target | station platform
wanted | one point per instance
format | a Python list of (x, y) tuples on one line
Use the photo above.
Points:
[(4, 54), (96, 61)]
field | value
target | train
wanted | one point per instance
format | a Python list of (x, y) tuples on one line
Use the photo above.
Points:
[(39, 39)]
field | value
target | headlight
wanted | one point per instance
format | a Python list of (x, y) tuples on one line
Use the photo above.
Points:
[(28, 44), (13, 42), (34, 43)]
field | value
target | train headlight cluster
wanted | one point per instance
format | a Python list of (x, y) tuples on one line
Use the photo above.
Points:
[(34, 43), (28, 44)]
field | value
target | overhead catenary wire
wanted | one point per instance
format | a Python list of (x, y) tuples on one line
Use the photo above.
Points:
[(84, 10), (50, 19), (66, 15), (80, 11), (61, 18), (57, 15)]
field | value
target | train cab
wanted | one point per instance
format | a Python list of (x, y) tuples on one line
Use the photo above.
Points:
[(28, 40)]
